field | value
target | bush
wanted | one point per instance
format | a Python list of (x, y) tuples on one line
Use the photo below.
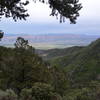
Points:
[(8, 95)]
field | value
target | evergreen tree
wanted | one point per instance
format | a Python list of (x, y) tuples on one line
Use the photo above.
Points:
[(1, 34), (16, 9)]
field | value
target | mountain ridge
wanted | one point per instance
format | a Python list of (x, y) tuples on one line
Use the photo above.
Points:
[(82, 66)]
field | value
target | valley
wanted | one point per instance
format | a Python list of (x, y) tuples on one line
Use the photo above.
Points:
[(50, 41)]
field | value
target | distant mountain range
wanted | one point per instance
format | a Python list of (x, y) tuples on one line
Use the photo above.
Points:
[(49, 41)]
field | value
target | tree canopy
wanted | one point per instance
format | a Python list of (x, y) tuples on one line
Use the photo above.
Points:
[(24, 75), (13, 8), (1, 35), (65, 8)]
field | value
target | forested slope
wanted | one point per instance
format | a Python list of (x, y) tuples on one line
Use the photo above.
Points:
[(82, 66), (73, 75)]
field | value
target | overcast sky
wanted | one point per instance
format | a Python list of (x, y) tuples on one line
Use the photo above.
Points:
[(40, 21)]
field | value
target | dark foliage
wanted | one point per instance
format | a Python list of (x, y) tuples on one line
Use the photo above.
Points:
[(65, 8), (1, 35), (21, 67), (13, 8)]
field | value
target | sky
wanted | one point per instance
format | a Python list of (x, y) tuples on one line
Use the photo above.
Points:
[(40, 22)]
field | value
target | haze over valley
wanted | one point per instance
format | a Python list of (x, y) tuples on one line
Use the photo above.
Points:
[(50, 41)]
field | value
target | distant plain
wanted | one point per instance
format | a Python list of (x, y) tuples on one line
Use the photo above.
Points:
[(50, 41)]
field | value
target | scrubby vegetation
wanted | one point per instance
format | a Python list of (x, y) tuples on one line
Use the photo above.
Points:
[(71, 75)]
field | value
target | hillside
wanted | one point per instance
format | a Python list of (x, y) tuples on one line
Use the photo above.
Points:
[(57, 53), (83, 65), (74, 73)]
